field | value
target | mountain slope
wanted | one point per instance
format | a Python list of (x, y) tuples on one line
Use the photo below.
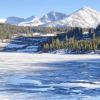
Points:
[(14, 20), (34, 21), (52, 16), (85, 17), (31, 21)]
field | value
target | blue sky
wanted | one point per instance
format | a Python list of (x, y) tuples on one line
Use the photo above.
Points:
[(25, 8)]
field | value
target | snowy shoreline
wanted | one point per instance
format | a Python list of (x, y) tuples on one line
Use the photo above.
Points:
[(49, 56), (45, 57), (24, 61)]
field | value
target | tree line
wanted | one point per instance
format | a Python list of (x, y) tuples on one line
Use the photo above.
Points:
[(73, 45), (8, 31)]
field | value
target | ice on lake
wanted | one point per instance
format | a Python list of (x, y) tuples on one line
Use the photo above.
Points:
[(49, 77)]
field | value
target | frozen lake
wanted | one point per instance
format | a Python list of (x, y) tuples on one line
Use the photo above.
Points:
[(49, 77)]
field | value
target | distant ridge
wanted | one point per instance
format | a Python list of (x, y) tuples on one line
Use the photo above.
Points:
[(85, 17)]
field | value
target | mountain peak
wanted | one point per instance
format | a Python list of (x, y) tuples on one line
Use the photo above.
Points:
[(52, 11), (86, 7), (30, 18), (52, 16)]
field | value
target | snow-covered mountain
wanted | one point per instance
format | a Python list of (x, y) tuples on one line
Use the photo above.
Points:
[(52, 16), (34, 21), (85, 17), (31, 21), (14, 20)]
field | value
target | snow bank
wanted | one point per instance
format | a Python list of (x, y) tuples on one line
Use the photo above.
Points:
[(3, 44)]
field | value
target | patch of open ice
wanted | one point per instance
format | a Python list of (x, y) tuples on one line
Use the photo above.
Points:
[(87, 85), (14, 46), (18, 81)]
